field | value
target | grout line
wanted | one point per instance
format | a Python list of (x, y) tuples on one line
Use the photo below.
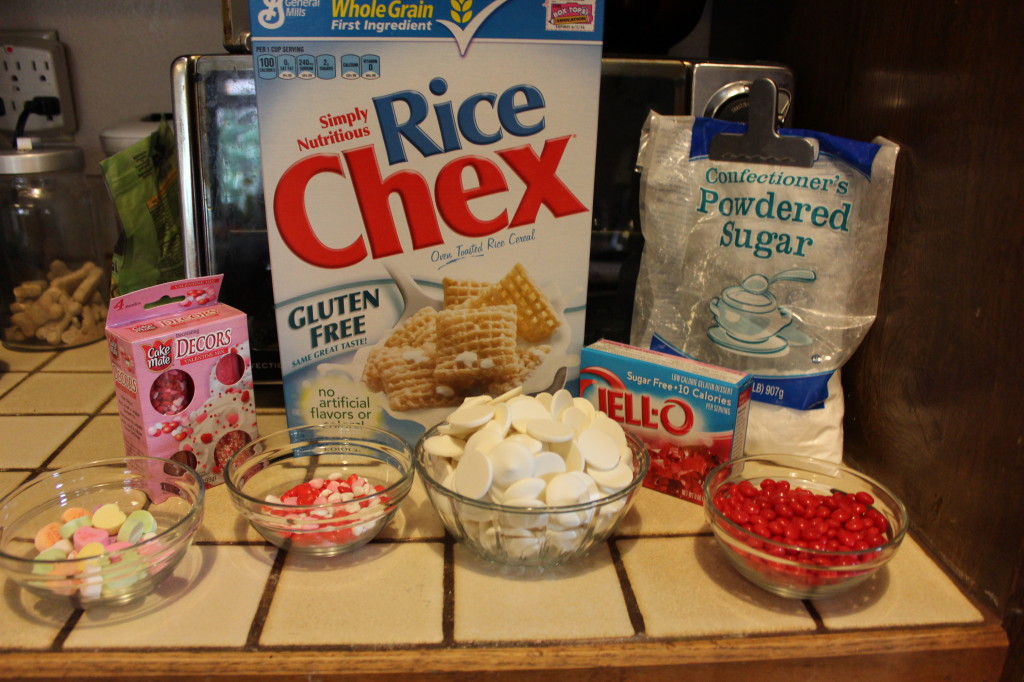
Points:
[(819, 622), (65, 630), (636, 617), (448, 592), (259, 619)]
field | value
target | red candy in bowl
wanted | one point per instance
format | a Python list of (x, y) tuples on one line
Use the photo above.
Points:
[(320, 490), (802, 527)]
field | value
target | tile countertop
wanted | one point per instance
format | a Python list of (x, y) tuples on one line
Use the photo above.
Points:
[(658, 601)]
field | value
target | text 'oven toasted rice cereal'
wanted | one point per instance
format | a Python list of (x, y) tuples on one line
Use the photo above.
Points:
[(429, 171)]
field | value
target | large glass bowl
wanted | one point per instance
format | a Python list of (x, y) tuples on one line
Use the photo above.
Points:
[(793, 565), (527, 536), (259, 475), (171, 492)]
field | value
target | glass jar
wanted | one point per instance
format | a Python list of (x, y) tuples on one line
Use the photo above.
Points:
[(54, 281)]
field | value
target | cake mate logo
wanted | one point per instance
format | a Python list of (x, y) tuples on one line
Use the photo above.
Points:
[(159, 355), (673, 415), (418, 124)]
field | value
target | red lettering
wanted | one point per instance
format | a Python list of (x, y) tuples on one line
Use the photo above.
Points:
[(667, 421), (542, 185), (629, 417), (453, 191), (648, 413), (453, 197), (373, 194), (293, 221), (614, 406)]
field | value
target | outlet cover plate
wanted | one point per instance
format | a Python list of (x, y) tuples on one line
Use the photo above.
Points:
[(34, 64)]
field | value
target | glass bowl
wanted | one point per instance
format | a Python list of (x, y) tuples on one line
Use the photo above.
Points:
[(163, 499), (321, 490), (810, 546), (538, 536)]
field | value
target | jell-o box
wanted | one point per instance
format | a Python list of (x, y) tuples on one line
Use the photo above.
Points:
[(691, 415)]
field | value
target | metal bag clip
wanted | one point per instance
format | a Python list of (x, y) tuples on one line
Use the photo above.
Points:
[(762, 142)]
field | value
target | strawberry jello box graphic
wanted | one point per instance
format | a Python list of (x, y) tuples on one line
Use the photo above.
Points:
[(183, 374), (429, 175), (691, 416)]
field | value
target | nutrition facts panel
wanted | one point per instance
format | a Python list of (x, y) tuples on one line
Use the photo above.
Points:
[(322, 66)]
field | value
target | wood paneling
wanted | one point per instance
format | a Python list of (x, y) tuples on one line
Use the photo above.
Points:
[(935, 406)]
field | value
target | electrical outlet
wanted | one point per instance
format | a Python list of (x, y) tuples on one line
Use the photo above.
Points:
[(34, 64)]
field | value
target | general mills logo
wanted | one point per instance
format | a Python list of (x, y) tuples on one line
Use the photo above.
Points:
[(273, 16)]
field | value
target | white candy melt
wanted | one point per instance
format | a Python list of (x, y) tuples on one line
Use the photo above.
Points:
[(510, 461), (560, 402), (472, 477), (598, 448), (444, 446), (471, 416), (548, 463), (523, 409), (549, 431), (565, 489), (527, 488), (532, 453)]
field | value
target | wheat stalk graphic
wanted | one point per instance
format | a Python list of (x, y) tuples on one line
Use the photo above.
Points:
[(462, 11)]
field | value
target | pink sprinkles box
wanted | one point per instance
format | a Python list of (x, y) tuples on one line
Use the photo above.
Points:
[(183, 374), (691, 416)]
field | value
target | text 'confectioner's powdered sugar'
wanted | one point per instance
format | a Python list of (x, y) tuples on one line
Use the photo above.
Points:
[(770, 269)]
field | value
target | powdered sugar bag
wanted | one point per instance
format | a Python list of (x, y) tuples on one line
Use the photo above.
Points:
[(770, 269)]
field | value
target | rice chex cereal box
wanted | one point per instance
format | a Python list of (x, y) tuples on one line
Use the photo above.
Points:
[(692, 416), (428, 168)]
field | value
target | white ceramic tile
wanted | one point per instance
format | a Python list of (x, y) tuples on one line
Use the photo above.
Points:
[(91, 358), (580, 600), (221, 520), (8, 380), (26, 442), (209, 600), (268, 423), (415, 518), (110, 407), (655, 513), (23, 361), (381, 594), (99, 439), (9, 480), (26, 621), (58, 393), (686, 588), (910, 590)]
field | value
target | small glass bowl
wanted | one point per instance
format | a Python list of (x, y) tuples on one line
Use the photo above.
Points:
[(259, 475), (172, 492), (527, 536), (787, 569)]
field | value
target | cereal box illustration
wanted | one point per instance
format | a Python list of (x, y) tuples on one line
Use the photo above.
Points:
[(691, 416), (428, 168), (183, 374)]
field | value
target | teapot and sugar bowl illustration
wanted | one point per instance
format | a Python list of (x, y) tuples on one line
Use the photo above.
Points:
[(749, 319)]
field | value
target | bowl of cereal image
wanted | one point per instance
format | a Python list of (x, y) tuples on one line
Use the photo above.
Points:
[(460, 338), (530, 480), (102, 533), (320, 490)]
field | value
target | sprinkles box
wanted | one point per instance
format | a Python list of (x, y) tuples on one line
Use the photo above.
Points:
[(183, 374), (692, 416), (429, 174)]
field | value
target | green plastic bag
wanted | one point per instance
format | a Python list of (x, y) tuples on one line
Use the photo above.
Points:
[(143, 183)]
